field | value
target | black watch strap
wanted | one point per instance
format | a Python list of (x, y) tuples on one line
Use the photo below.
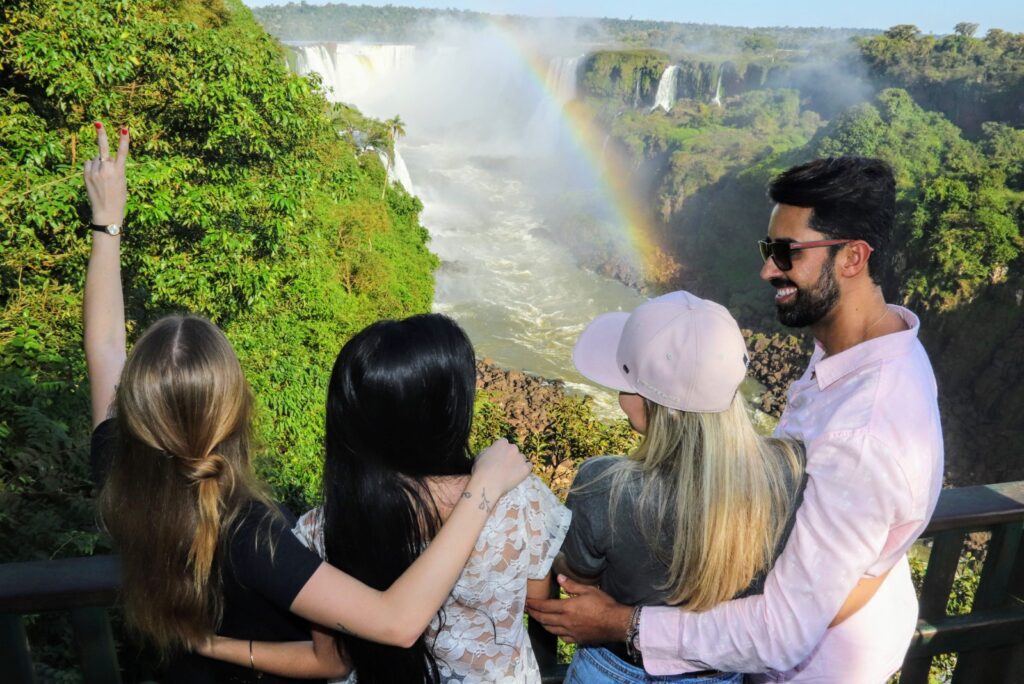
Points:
[(108, 228)]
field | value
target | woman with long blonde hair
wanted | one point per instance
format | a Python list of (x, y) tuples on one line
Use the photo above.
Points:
[(696, 514), (203, 548)]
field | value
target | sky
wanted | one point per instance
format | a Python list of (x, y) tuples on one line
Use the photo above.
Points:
[(931, 16)]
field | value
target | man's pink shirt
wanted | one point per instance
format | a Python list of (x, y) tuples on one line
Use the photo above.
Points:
[(869, 418)]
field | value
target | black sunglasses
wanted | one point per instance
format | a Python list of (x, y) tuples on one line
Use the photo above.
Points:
[(781, 252)]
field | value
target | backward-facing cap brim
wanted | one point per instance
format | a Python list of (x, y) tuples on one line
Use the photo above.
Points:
[(596, 350)]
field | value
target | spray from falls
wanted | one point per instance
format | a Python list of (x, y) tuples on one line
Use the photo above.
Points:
[(562, 76), (352, 69), (504, 185)]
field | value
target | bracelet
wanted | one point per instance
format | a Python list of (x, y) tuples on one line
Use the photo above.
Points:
[(252, 662), (633, 634)]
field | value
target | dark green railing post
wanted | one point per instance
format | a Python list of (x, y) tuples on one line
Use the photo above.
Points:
[(14, 653), (1002, 559), (95, 643)]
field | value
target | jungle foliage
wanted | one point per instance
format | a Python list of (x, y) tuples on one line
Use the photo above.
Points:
[(971, 80), (246, 206)]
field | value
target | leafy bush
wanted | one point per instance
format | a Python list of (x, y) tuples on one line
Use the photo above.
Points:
[(246, 206)]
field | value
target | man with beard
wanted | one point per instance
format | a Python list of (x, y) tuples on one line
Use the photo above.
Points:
[(866, 409)]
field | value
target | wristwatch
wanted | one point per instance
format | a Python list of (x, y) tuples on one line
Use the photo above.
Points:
[(109, 229), (633, 636)]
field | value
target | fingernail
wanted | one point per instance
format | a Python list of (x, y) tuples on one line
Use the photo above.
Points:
[(124, 131), (98, 125)]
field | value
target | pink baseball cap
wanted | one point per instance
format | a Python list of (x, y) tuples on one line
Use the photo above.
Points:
[(677, 350)]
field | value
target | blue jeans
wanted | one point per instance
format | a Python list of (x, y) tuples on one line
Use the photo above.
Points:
[(593, 664)]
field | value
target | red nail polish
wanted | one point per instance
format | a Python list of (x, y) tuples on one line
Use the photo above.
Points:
[(124, 131), (98, 125)]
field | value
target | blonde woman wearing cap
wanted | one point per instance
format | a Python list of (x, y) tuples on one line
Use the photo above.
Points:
[(697, 513)]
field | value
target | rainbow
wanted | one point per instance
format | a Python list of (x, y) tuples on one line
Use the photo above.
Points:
[(610, 173)]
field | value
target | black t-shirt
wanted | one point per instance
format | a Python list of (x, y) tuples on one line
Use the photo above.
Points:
[(616, 551), (263, 567)]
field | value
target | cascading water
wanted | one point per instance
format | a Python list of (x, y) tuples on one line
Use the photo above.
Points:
[(562, 76), (717, 99), (500, 178), (397, 169), (668, 85), (352, 69)]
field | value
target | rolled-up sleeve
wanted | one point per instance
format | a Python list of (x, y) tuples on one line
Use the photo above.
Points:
[(856, 495)]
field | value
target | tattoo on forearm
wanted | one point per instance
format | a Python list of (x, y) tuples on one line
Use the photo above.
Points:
[(484, 503), (466, 495), (341, 628)]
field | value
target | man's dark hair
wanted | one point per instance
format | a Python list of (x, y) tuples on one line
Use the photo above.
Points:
[(852, 198)]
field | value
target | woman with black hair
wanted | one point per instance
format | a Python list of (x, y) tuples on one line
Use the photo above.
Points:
[(399, 411)]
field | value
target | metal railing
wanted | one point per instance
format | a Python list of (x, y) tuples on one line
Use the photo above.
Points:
[(989, 640)]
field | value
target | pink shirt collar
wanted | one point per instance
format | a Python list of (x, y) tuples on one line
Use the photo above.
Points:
[(828, 369)]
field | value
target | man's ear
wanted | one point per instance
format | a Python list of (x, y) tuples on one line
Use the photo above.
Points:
[(853, 259)]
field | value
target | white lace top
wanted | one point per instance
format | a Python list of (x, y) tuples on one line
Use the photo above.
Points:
[(483, 637)]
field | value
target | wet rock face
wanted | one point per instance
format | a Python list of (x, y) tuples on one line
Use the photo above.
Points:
[(523, 398)]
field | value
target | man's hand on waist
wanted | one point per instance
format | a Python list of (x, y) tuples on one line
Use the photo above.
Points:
[(589, 616)]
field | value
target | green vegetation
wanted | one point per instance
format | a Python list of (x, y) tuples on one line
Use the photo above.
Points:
[(970, 80), (627, 76), (246, 206)]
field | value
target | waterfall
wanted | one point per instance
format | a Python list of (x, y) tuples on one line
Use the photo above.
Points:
[(667, 87), (397, 171), (717, 99), (561, 81), (561, 78), (504, 186), (636, 92), (401, 172), (351, 70)]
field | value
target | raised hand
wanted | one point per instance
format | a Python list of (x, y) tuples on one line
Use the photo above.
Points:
[(105, 179), (103, 309), (501, 466)]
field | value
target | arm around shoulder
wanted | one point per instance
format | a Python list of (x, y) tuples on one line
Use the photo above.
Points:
[(400, 614), (840, 531)]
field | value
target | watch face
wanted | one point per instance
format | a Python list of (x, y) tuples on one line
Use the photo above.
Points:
[(113, 229)]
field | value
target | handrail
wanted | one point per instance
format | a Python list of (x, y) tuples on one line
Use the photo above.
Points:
[(990, 639), (978, 506), (43, 586)]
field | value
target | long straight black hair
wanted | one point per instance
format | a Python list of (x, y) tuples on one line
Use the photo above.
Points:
[(399, 410)]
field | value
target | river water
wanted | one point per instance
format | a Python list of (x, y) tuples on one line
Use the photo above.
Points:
[(484, 164)]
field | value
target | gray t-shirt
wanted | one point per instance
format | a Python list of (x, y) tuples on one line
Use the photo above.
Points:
[(618, 554)]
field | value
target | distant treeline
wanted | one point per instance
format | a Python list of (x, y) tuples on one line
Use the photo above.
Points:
[(971, 80), (394, 24)]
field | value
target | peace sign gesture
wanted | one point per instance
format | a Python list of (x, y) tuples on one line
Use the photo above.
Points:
[(105, 179)]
